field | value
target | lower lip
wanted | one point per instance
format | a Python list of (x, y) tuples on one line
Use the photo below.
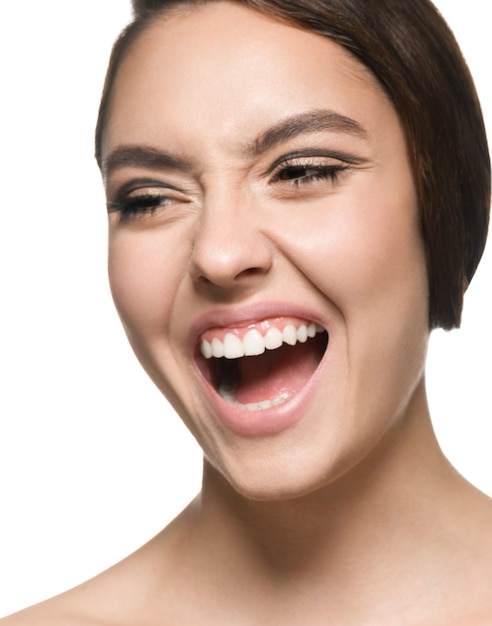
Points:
[(265, 421)]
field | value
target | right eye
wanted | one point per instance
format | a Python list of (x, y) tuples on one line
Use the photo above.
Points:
[(143, 198), (139, 204)]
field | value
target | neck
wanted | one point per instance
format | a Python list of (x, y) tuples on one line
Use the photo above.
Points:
[(384, 540), (355, 517)]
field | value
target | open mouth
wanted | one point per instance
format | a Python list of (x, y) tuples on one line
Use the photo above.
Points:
[(264, 364)]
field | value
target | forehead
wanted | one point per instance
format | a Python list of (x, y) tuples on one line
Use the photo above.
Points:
[(228, 70)]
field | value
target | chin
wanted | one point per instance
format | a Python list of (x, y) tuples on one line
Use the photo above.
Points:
[(278, 471)]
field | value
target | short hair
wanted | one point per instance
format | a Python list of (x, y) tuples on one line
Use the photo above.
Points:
[(413, 54)]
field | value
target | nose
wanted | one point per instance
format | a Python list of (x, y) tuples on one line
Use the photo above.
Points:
[(230, 247)]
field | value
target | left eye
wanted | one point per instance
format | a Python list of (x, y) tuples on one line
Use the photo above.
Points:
[(304, 173)]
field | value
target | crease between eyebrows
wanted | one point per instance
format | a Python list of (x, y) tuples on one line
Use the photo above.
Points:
[(289, 128)]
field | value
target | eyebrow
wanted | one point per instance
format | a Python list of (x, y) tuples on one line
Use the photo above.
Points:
[(143, 157), (302, 123), (309, 122)]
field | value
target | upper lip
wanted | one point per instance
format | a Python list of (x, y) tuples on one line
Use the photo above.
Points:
[(249, 314)]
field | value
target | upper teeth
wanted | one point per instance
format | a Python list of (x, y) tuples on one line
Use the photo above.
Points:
[(254, 343)]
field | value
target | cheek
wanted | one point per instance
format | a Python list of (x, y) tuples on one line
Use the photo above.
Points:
[(386, 267), (143, 280), (382, 289), (366, 253)]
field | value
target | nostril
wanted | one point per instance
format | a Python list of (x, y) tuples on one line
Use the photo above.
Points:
[(226, 275), (251, 271), (228, 251), (241, 279)]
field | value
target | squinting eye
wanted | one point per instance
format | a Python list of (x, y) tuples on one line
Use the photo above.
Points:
[(301, 171), (301, 174), (138, 204)]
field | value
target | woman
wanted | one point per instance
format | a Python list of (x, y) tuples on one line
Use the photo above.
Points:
[(295, 200)]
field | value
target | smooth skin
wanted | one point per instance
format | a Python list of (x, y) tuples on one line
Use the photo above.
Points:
[(352, 516)]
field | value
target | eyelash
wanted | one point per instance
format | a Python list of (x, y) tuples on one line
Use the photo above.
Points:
[(133, 205), (295, 173), (290, 172), (129, 206)]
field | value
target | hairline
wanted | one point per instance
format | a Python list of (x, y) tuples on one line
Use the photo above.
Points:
[(143, 24)]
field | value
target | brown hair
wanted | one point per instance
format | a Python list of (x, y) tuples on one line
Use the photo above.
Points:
[(411, 51)]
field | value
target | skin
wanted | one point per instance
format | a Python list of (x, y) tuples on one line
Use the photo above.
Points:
[(352, 515)]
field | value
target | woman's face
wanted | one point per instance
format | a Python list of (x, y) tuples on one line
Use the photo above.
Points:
[(259, 190)]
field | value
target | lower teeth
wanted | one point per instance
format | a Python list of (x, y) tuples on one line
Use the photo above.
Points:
[(228, 393)]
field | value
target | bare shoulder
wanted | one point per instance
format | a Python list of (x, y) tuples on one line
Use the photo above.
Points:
[(109, 599), (81, 606), (471, 559), (47, 613), (119, 596)]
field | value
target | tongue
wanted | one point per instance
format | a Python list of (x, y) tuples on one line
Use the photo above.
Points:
[(282, 371)]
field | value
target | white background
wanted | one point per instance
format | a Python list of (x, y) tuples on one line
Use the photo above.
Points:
[(92, 461)]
